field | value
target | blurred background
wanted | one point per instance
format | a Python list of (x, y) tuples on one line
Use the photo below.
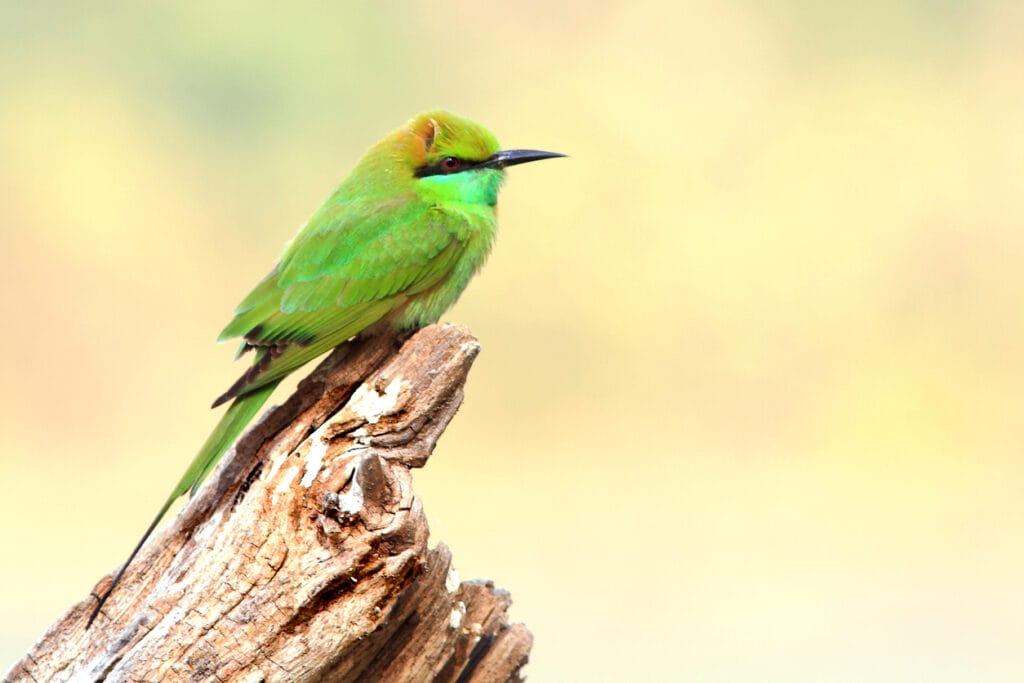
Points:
[(750, 401)]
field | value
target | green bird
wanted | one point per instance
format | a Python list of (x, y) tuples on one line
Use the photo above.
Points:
[(390, 250)]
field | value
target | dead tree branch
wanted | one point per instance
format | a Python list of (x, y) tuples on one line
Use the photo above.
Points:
[(305, 557)]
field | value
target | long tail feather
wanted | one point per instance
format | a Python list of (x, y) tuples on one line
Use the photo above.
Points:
[(224, 434)]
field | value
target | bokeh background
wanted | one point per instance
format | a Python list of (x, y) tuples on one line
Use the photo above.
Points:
[(750, 401)]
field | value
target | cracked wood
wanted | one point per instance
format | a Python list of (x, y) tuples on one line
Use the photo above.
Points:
[(305, 557)]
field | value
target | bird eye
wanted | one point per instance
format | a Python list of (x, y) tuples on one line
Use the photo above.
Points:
[(451, 164)]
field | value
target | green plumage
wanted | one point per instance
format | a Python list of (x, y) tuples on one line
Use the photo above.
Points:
[(392, 248)]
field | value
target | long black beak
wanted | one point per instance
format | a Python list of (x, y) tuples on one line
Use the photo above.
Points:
[(511, 157)]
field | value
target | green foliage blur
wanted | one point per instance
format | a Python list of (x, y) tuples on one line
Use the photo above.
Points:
[(749, 406)]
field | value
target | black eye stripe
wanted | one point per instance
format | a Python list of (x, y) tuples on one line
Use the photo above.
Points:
[(440, 169)]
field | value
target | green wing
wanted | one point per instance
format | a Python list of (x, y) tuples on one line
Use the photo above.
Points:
[(347, 269)]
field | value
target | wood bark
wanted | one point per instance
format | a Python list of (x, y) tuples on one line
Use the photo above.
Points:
[(305, 556)]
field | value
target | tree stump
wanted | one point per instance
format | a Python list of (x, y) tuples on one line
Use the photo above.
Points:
[(305, 557)]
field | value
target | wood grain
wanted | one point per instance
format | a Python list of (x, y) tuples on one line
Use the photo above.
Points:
[(305, 556)]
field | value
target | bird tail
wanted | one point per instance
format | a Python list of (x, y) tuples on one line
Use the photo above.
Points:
[(238, 415)]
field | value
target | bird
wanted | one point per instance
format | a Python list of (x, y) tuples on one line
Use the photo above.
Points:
[(390, 250)]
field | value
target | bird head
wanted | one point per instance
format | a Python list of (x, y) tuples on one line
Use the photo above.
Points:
[(450, 158)]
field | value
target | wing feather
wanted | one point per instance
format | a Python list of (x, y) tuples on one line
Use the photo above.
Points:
[(348, 268)]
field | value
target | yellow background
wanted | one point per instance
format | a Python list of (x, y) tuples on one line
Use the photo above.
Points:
[(750, 401)]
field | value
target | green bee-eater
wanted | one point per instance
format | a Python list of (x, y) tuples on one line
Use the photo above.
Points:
[(390, 250)]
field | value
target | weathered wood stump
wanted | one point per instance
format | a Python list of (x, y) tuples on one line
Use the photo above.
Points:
[(305, 556)]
